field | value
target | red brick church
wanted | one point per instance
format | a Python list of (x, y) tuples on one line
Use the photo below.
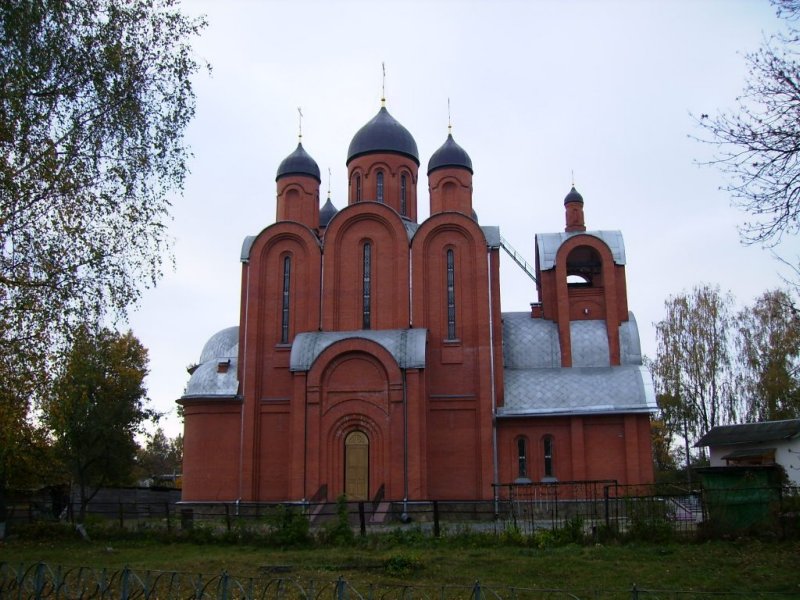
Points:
[(372, 356)]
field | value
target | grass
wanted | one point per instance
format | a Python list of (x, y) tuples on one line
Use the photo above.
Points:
[(744, 565)]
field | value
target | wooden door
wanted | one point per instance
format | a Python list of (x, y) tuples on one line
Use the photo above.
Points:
[(356, 466)]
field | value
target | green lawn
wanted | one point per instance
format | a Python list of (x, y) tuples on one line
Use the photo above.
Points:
[(742, 566)]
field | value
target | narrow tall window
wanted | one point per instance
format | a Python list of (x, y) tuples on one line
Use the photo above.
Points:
[(451, 296), (547, 444), (358, 188), (366, 286), (403, 194), (522, 458), (287, 272), (379, 186)]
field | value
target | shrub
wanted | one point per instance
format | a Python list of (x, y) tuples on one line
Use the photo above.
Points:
[(338, 531), (402, 564), (288, 527)]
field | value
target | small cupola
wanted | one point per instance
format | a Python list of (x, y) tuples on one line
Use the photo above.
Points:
[(298, 162), (450, 179), (298, 182), (326, 213), (573, 207), (450, 154)]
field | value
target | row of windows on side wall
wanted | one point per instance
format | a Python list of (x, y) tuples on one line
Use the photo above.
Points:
[(379, 194)]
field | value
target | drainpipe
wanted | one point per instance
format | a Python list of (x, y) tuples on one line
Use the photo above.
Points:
[(404, 517), (242, 365), (494, 390)]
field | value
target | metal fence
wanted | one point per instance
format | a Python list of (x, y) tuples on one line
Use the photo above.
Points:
[(585, 509), (41, 581)]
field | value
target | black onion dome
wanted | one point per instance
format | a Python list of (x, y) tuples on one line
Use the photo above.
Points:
[(326, 213), (450, 154), (383, 134), (573, 196), (298, 163)]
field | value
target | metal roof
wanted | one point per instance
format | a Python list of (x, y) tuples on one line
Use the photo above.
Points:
[(549, 243), (449, 154), (530, 343), (577, 390), (750, 433), (207, 381), (247, 245), (383, 133), (407, 346), (492, 235), (298, 162), (223, 344)]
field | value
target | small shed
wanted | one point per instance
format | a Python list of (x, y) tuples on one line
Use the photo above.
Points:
[(756, 444)]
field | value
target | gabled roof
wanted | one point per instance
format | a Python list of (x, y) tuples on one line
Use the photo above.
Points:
[(750, 433)]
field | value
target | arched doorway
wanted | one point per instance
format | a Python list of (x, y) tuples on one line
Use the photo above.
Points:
[(356, 466)]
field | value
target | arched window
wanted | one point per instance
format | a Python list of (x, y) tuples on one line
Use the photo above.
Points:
[(522, 458), (379, 186), (287, 273), (366, 284), (403, 194), (451, 295), (547, 454), (358, 188)]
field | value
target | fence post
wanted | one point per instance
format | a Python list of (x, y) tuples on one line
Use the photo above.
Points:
[(340, 589), (361, 519), (187, 518), (169, 522), (121, 515), (436, 531), (228, 517), (476, 590), (634, 593), (605, 502)]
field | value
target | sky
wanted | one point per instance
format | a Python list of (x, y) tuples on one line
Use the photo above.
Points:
[(541, 94)]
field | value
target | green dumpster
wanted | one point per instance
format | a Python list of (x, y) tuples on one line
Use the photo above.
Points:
[(739, 499)]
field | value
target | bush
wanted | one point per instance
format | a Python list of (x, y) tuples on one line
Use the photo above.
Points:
[(338, 532), (288, 527), (402, 564)]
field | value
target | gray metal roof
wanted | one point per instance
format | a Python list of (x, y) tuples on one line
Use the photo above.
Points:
[(750, 433), (492, 235), (206, 381), (222, 345), (530, 343), (247, 244), (577, 390), (629, 345), (407, 346), (589, 341), (549, 243), (536, 384), (411, 228)]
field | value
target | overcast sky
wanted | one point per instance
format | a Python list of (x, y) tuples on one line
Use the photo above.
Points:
[(538, 91)]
